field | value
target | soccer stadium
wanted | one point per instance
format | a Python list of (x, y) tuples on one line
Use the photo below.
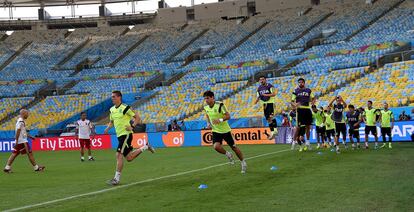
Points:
[(207, 105)]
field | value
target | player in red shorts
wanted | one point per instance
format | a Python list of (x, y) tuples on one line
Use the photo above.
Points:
[(84, 129), (22, 146)]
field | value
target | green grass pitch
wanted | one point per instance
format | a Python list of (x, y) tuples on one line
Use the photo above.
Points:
[(360, 180)]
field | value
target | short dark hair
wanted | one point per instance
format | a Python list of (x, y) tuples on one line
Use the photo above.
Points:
[(208, 94), (369, 101), (83, 113), (118, 93), (301, 79), (313, 106), (351, 106), (262, 77)]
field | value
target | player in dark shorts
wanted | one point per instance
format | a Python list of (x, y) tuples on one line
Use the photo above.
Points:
[(339, 119), (354, 119), (370, 119), (387, 124), (217, 117), (266, 96), (320, 118), (302, 98)]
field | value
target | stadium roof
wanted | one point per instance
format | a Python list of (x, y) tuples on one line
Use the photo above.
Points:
[(38, 3)]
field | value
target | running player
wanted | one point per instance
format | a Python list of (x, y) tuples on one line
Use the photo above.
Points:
[(84, 129), (217, 119), (22, 146), (354, 119), (320, 119), (120, 117), (370, 124), (302, 97), (387, 124), (339, 119), (330, 126), (266, 96)]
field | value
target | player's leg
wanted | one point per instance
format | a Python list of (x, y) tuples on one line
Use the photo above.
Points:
[(351, 137), (337, 136), (228, 137), (358, 138), (32, 159), (389, 138), (374, 133), (323, 136), (10, 161), (218, 146), (384, 138), (366, 137), (344, 135), (120, 152), (88, 147), (294, 141), (82, 149), (318, 137), (132, 154)]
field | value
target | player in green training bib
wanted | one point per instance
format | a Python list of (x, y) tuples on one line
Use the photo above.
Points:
[(387, 124), (319, 117), (370, 124), (217, 119), (120, 118), (329, 126)]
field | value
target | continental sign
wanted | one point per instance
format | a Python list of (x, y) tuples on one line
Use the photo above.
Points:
[(241, 136)]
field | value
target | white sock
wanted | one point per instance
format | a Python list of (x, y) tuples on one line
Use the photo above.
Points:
[(228, 154), (337, 147), (243, 162), (143, 148), (7, 167), (90, 157), (117, 176), (82, 158), (35, 167)]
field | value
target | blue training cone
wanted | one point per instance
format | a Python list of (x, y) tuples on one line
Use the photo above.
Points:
[(319, 153), (273, 168), (202, 186)]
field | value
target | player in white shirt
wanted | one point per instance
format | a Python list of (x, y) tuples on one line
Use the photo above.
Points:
[(22, 146), (84, 130)]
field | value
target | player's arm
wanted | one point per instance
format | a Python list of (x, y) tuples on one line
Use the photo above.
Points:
[(208, 121), (360, 120), (77, 129), (109, 126), (392, 120), (343, 102), (226, 115), (293, 101), (137, 119), (271, 94), (332, 101), (313, 99), (18, 131), (257, 97)]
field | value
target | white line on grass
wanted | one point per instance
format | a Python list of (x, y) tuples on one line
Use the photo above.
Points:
[(134, 183)]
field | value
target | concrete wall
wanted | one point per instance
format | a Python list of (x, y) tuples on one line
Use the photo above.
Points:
[(264, 6), (172, 15), (221, 9)]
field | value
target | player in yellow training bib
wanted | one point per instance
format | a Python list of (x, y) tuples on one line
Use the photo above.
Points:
[(217, 117)]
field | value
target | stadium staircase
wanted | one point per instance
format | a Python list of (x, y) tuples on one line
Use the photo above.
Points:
[(220, 99), (244, 39), (103, 119), (126, 53), (17, 53), (374, 20), (286, 46), (67, 87), (154, 81), (3, 37), (11, 115), (73, 53), (171, 57), (274, 73)]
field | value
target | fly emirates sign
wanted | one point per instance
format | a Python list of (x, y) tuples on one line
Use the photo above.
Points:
[(69, 143)]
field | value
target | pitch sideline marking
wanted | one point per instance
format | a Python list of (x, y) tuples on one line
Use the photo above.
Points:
[(135, 183)]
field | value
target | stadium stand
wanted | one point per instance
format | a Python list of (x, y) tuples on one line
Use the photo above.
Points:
[(127, 58)]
